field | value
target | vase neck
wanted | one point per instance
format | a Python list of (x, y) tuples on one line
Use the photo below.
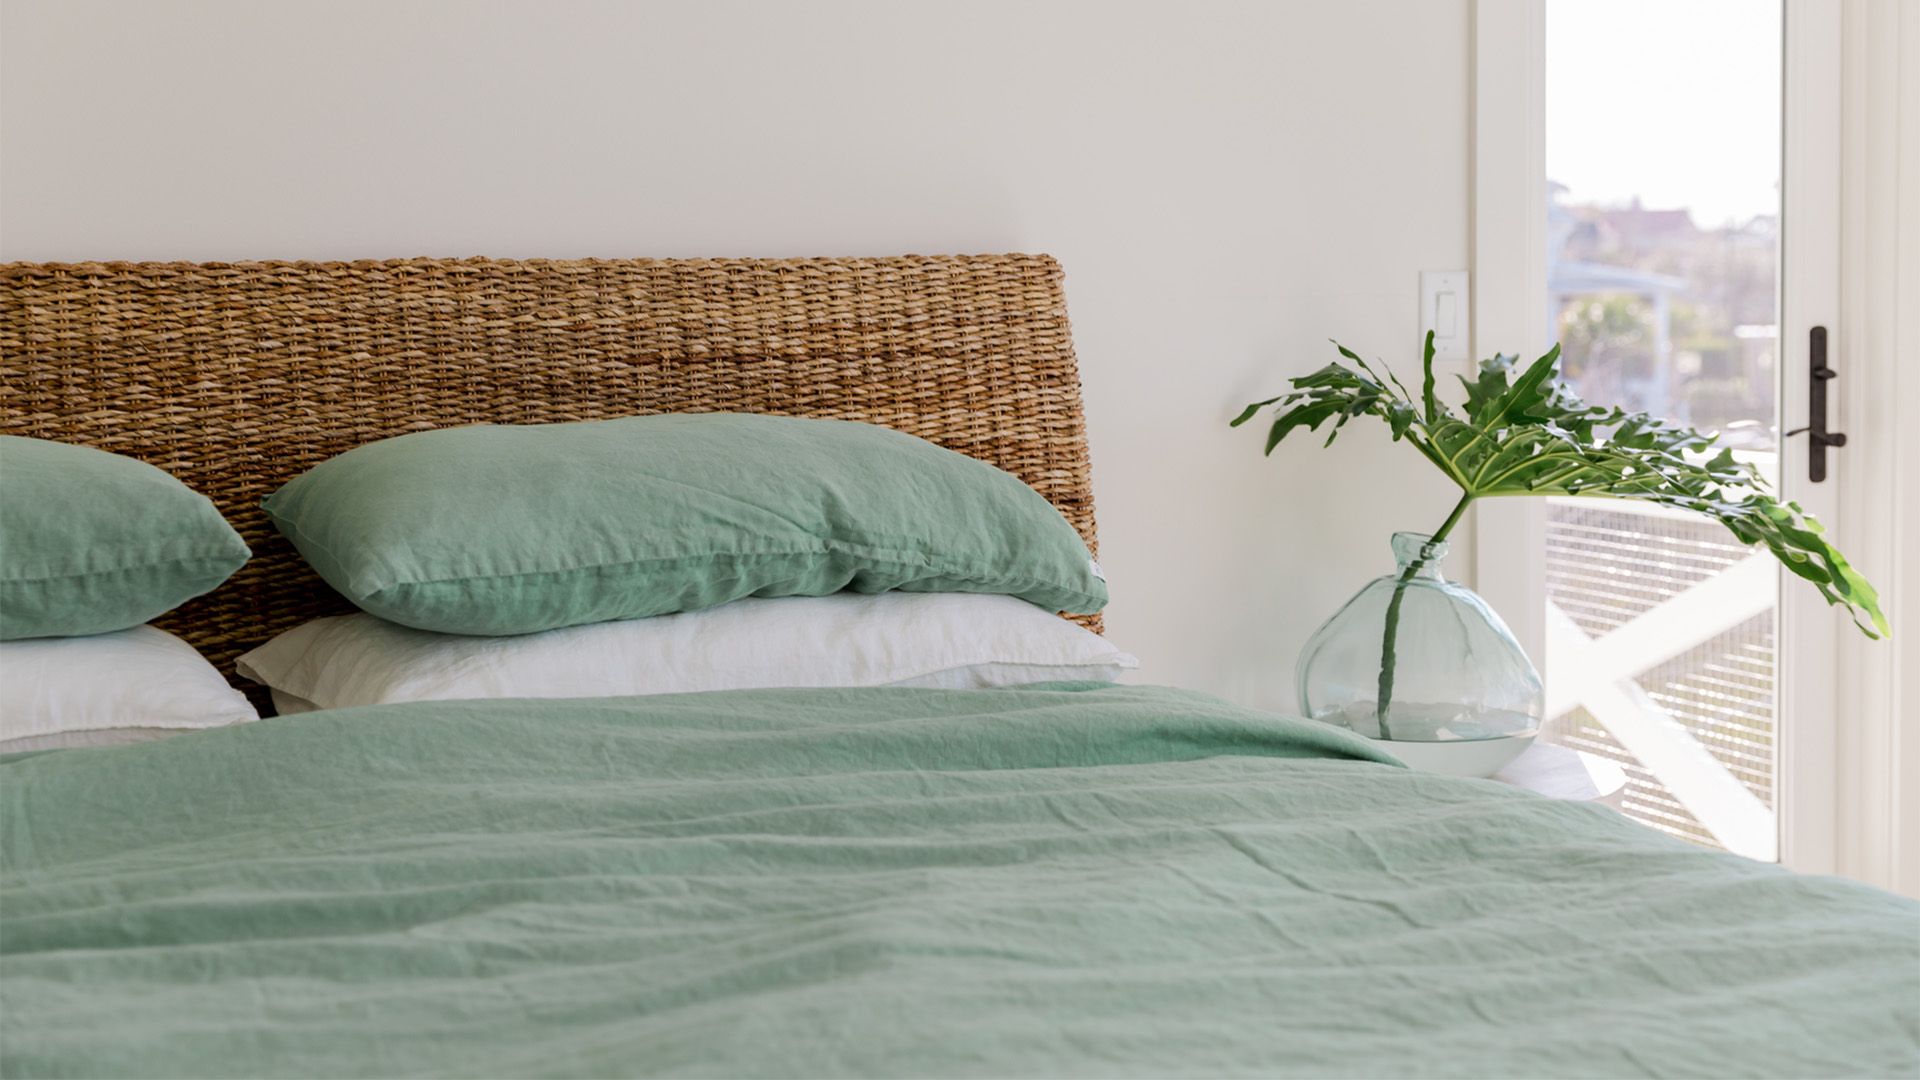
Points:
[(1417, 552)]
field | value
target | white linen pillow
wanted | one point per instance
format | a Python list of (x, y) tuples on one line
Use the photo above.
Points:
[(940, 640), (127, 686)]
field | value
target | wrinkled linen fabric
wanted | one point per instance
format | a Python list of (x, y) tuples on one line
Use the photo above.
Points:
[(1079, 881), (945, 641), (517, 528), (127, 686), (92, 542)]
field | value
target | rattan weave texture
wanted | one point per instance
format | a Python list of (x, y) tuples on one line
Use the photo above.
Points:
[(236, 377)]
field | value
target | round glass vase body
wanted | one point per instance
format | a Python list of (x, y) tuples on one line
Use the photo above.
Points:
[(1416, 659)]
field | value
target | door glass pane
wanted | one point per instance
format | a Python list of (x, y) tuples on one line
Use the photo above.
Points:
[(1663, 157)]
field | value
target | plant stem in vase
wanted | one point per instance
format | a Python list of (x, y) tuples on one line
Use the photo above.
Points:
[(1388, 640)]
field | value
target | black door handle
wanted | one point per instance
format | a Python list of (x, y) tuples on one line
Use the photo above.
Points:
[(1818, 437)]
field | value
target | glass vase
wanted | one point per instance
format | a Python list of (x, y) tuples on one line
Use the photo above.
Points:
[(1423, 663)]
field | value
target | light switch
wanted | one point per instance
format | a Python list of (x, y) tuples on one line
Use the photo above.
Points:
[(1443, 310)]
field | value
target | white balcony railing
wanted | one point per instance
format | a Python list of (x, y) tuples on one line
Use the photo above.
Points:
[(1660, 655)]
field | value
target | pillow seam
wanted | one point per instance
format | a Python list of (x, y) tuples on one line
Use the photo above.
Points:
[(124, 568), (876, 554)]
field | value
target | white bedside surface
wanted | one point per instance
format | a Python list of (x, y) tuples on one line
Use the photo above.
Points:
[(1562, 773)]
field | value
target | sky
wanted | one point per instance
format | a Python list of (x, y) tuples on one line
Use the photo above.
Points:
[(1676, 101)]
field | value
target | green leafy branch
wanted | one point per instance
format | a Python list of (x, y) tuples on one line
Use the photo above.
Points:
[(1525, 432)]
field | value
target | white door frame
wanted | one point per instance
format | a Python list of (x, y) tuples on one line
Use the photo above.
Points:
[(1876, 398), (1849, 770), (1807, 634), (1509, 282)]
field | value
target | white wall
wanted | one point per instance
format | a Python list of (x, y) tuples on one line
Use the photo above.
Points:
[(1228, 185)]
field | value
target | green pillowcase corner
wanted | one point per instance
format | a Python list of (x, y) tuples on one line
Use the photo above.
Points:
[(495, 530), (92, 542)]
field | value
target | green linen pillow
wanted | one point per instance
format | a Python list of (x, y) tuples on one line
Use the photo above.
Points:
[(513, 529), (92, 542)]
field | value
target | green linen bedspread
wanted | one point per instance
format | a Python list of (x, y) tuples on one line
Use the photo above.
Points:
[(1045, 881)]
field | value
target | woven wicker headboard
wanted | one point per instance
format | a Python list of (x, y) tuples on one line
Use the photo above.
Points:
[(236, 377)]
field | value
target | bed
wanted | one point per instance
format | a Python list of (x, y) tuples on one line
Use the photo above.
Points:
[(1060, 879)]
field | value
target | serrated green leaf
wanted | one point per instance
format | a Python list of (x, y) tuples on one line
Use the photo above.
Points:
[(1251, 411), (1530, 434), (1310, 416)]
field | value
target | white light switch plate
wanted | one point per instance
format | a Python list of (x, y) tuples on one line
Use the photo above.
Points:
[(1444, 310)]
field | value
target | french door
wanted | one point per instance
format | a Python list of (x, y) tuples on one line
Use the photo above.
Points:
[(1690, 225)]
